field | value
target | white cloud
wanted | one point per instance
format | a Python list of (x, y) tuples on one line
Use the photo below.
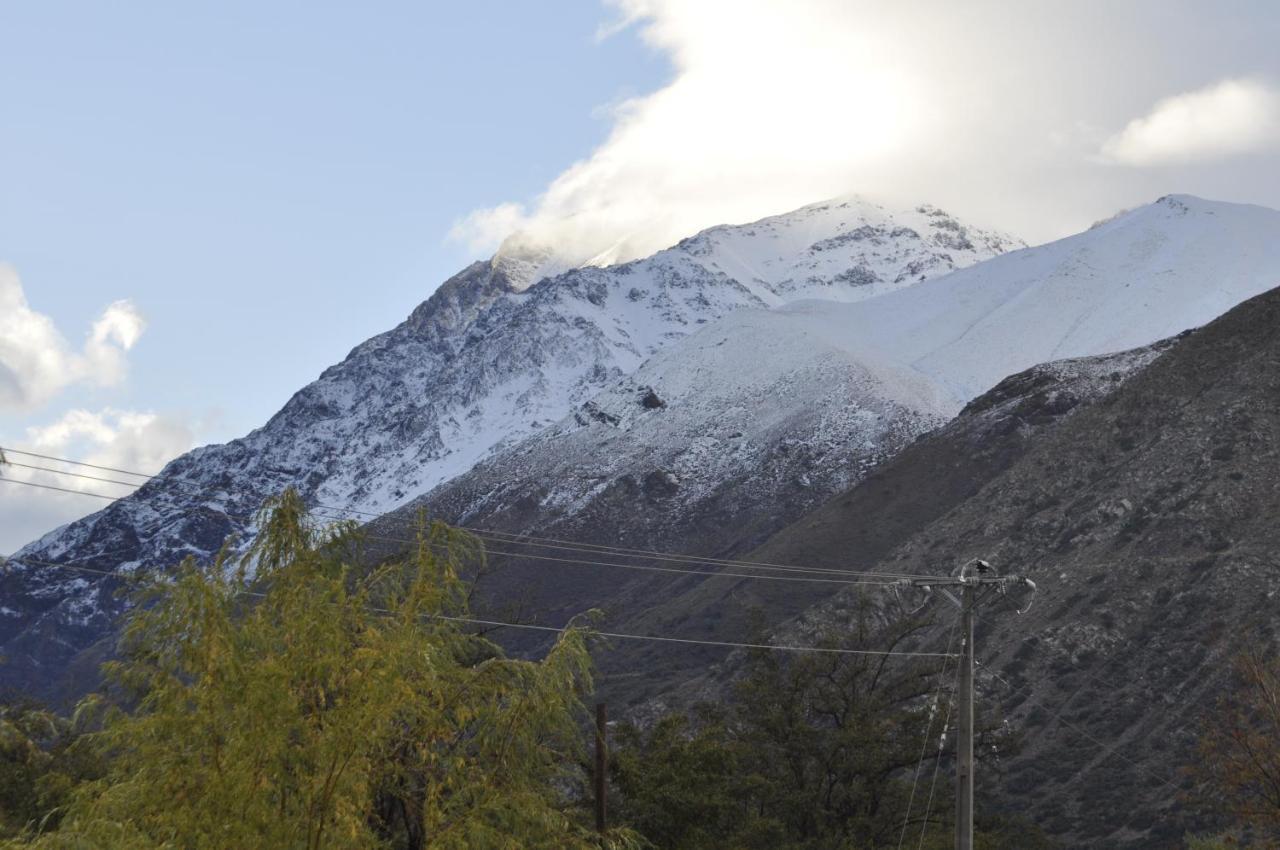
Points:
[(36, 361), (1226, 119), (771, 107), (986, 108), (137, 441), (482, 229)]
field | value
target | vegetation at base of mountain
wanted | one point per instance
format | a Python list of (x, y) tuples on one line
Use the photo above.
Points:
[(1224, 841), (43, 757), (811, 752), (1239, 764), (307, 704)]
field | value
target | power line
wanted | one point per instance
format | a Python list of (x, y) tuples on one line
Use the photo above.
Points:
[(1058, 716), (76, 462), (61, 489), (924, 743), (532, 626), (520, 538), (809, 573), (690, 559), (532, 556), (509, 538), (942, 742), (75, 474), (1095, 674)]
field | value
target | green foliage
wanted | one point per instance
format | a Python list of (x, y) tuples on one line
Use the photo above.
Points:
[(1212, 842), (679, 786), (42, 758), (813, 752), (287, 700)]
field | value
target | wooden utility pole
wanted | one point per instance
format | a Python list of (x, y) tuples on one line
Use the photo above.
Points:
[(971, 577), (964, 744), (602, 765)]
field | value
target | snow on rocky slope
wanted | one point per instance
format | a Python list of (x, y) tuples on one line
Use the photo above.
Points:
[(1145, 275), (492, 357), (814, 392), (735, 431), (743, 426)]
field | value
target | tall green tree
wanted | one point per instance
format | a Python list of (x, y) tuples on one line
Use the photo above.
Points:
[(288, 699), (43, 758), (814, 751)]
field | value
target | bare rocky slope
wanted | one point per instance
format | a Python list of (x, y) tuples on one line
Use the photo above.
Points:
[(733, 432), (624, 502), (1147, 519)]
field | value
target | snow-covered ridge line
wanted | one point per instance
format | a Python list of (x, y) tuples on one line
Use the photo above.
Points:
[(851, 383), (498, 353)]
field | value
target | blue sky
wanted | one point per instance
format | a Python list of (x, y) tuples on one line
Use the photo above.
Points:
[(204, 205), (272, 183)]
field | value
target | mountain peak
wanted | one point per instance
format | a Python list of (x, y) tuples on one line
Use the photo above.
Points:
[(522, 261), (1176, 206)]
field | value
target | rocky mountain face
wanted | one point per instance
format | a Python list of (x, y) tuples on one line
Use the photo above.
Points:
[(496, 354), (728, 433), (1146, 517), (895, 497)]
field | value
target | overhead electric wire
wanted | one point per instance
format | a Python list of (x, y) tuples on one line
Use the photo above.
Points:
[(75, 474), (555, 629), (687, 559), (76, 462), (509, 539), (61, 489), (942, 742), (924, 743), (1057, 715), (532, 556), (705, 559), (868, 578), (540, 542), (1095, 674)]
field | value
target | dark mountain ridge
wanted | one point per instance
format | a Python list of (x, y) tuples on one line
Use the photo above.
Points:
[(1148, 520)]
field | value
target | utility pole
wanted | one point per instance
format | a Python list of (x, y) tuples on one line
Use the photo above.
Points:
[(602, 765), (964, 744), (972, 577)]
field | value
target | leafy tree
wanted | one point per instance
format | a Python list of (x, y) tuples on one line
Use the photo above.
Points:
[(42, 758), (1239, 764), (811, 752), (289, 700), (1212, 842)]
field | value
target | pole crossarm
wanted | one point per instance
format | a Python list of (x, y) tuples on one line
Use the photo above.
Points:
[(971, 577)]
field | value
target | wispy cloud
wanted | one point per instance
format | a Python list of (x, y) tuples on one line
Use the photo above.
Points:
[(1228, 118), (36, 361)]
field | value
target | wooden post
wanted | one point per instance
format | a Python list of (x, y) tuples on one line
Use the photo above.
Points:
[(964, 744), (602, 765)]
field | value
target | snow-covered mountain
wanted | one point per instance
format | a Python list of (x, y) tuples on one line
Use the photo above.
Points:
[(815, 393), (744, 426), (1145, 275), (495, 355)]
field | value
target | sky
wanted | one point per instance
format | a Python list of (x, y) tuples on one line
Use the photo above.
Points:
[(204, 205)]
